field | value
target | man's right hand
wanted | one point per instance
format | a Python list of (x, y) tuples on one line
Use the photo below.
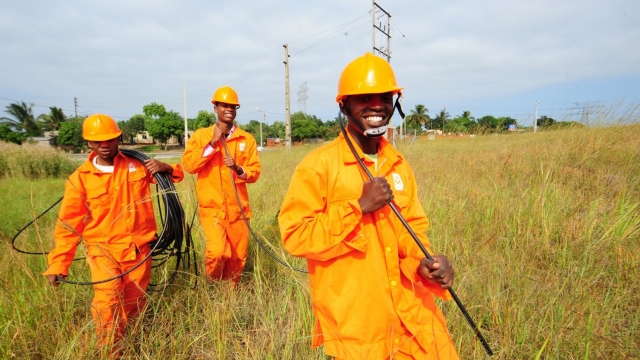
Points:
[(53, 279), (217, 134), (376, 193)]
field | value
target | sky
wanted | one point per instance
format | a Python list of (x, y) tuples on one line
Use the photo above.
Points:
[(492, 57)]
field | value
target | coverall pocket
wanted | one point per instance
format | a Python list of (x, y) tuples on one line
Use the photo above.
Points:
[(96, 197), (137, 183)]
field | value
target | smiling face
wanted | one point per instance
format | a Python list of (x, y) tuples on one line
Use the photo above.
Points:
[(106, 150), (369, 110), (225, 112)]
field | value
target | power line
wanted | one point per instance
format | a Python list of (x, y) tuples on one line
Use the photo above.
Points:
[(424, 63)]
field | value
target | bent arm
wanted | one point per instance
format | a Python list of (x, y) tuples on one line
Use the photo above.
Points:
[(314, 229), (410, 252), (195, 157)]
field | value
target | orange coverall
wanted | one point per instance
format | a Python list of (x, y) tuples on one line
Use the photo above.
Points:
[(368, 300), (227, 234), (113, 214)]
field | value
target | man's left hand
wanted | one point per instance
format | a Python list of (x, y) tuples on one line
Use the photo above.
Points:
[(154, 166), (439, 271)]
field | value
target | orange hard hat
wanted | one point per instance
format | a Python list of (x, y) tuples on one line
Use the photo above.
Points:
[(100, 127), (225, 94), (367, 74)]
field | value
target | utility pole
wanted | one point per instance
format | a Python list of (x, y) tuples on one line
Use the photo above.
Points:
[(287, 113), (186, 127), (261, 120), (385, 29), (535, 119), (444, 118), (75, 101)]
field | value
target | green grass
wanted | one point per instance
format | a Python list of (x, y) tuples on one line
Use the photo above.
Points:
[(543, 230)]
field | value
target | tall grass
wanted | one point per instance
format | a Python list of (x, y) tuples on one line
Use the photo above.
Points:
[(33, 162), (543, 230)]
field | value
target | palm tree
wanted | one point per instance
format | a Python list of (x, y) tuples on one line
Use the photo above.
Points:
[(23, 119), (418, 116), (52, 120), (442, 118), (467, 114)]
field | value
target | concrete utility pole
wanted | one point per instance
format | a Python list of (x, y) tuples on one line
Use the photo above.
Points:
[(444, 118), (287, 111), (186, 127), (261, 120), (385, 29), (75, 101), (535, 119)]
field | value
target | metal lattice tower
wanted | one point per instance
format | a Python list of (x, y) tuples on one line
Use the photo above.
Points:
[(378, 23), (302, 97)]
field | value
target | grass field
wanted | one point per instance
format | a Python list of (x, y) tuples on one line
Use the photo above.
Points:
[(543, 230)]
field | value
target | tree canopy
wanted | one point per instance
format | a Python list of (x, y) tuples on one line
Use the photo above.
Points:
[(70, 134), (52, 121), (418, 117), (170, 124), (22, 119)]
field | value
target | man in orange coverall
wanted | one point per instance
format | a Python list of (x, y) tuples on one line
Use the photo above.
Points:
[(107, 203), (220, 216), (371, 287)]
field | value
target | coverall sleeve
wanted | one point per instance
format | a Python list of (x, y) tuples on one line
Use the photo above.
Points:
[(410, 252), (251, 167), (314, 229), (69, 228), (192, 158)]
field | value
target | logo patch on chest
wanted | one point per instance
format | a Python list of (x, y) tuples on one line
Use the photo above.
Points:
[(241, 146), (132, 167), (397, 182)]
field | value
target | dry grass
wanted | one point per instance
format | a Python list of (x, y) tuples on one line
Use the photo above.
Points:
[(543, 230)]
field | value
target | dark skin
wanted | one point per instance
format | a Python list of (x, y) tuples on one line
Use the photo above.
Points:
[(372, 111), (226, 114), (106, 151)]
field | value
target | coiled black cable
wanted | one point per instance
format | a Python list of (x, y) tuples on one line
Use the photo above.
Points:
[(173, 241)]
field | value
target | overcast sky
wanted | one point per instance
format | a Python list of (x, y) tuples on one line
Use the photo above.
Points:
[(492, 57)]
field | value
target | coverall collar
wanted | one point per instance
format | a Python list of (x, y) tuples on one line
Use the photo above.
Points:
[(87, 166)]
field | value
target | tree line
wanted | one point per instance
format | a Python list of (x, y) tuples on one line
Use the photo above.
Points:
[(161, 124)]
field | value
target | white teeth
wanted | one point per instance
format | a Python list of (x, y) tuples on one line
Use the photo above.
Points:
[(373, 119)]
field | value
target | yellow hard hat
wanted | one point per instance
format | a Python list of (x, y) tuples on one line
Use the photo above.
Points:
[(367, 74), (225, 94), (100, 127)]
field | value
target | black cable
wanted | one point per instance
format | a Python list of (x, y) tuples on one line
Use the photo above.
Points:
[(246, 221), (15, 237), (175, 234), (415, 238)]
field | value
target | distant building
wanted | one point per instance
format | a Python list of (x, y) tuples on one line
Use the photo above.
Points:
[(42, 141)]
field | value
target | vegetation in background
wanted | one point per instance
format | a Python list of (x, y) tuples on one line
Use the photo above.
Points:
[(21, 119), (70, 135), (32, 163), (162, 125)]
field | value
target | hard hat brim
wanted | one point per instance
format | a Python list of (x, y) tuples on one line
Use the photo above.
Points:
[(103, 137)]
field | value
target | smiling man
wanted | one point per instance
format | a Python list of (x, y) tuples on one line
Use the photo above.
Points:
[(220, 215), (372, 289), (107, 206)]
